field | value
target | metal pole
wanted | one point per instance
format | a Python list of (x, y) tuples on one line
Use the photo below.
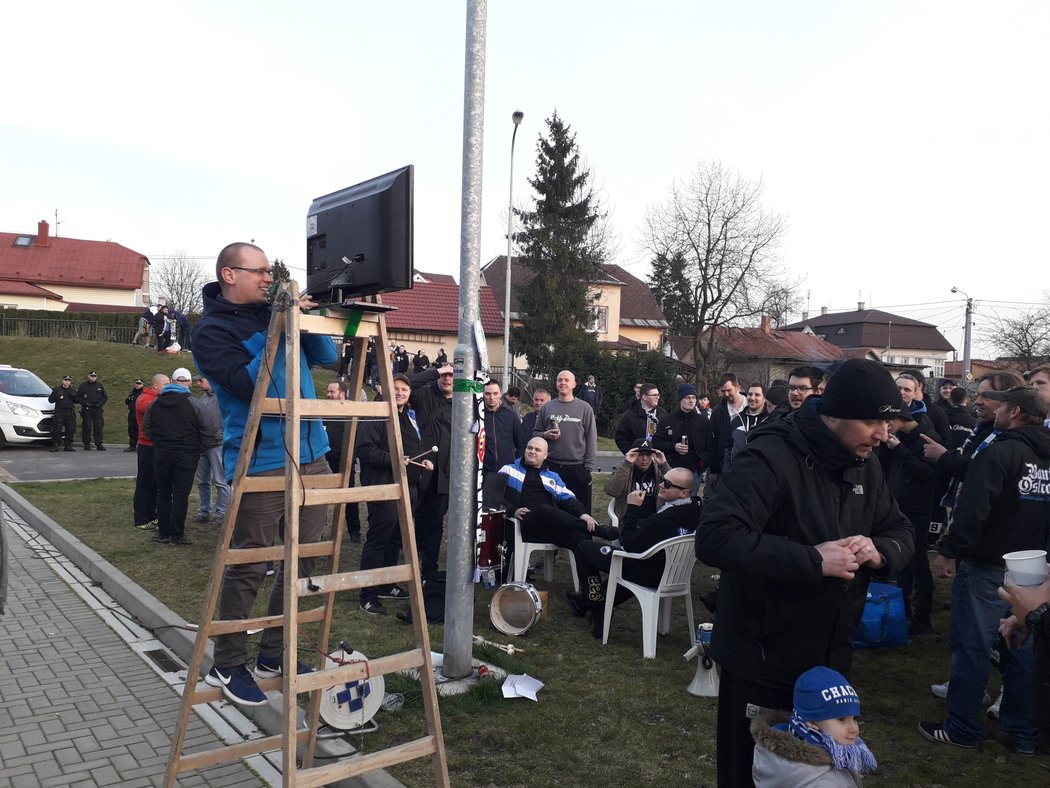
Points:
[(517, 117), (966, 340), (459, 588)]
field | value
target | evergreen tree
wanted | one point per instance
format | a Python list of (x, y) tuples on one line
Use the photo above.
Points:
[(672, 292), (562, 252)]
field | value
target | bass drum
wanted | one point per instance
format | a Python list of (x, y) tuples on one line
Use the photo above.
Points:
[(492, 540), (515, 607)]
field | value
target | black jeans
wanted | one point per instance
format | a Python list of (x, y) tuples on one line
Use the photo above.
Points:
[(175, 472), (576, 478), (133, 430), (738, 701), (382, 542), (64, 428), (145, 486), (547, 524), (430, 528), (917, 574), (91, 426)]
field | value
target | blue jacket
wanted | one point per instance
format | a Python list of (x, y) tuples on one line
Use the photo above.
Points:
[(228, 345), (560, 495)]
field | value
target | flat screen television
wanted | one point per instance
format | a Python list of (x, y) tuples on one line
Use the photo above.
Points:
[(359, 239)]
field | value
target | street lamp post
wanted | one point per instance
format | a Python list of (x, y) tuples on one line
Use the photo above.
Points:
[(966, 334), (517, 117)]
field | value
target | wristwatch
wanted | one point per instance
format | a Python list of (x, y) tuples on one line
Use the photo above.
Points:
[(1035, 616)]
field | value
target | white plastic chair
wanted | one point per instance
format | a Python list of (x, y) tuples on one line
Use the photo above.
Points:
[(523, 550), (614, 521), (679, 558)]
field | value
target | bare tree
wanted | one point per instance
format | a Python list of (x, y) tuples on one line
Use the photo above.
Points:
[(1023, 337), (179, 279), (715, 253)]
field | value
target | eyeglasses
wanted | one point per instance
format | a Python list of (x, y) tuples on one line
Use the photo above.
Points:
[(800, 389), (268, 271), (667, 485)]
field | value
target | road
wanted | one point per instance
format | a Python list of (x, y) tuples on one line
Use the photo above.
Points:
[(38, 463)]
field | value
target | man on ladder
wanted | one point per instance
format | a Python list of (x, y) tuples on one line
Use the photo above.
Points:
[(229, 349)]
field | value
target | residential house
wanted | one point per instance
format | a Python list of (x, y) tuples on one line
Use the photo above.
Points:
[(763, 354), (901, 342), (427, 317), (59, 274), (626, 315)]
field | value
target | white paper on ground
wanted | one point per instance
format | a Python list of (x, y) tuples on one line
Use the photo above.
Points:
[(521, 686)]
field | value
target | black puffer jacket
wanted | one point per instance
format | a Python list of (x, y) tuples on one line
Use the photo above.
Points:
[(633, 424), (794, 486), (1004, 504), (669, 432), (373, 450)]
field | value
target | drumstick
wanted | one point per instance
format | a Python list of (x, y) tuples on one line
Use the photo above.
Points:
[(413, 462), (424, 454)]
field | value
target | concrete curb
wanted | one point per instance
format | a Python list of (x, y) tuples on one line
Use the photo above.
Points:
[(168, 627)]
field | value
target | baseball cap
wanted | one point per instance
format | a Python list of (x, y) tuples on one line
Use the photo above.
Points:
[(92, 374), (1026, 398), (66, 377), (644, 446), (139, 382), (181, 374)]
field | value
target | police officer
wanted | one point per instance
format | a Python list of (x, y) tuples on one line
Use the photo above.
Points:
[(64, 420), (92, 398), (133, 425)]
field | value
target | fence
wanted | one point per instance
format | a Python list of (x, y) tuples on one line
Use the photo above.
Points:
[(63, 329)]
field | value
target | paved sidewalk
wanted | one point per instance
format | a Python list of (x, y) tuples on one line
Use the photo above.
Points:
[(79, 705)]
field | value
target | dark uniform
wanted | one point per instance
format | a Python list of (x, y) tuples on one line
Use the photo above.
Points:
[(92, 398), (64, 421), (133, 424)]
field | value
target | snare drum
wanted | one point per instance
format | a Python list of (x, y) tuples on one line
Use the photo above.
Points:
[(515, 607), (492, 540)]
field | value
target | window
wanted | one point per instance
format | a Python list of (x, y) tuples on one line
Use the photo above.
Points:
[(600, 319), (841, 331), (23, 240)]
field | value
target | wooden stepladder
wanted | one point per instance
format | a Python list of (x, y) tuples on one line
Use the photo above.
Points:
[(300, 490)]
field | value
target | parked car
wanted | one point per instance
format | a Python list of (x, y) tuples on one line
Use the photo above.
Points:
[(25, 413)]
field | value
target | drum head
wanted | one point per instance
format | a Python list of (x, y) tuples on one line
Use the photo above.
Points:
[(350, 705), (515, 607)]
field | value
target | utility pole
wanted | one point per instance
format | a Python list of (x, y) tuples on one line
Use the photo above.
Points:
[(57, 222), (459, 588), (967, 376)]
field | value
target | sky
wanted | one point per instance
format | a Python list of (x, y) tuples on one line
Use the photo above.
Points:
[(905, 143)]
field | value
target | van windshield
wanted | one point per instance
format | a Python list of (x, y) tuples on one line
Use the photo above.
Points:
[(22, 383)]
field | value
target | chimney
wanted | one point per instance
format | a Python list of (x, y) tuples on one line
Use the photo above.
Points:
[(767, 328), (805, 315), (823, 310), (860, 306), (41, 233)]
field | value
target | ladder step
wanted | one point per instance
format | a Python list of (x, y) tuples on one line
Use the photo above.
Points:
[(254, 484), (374, 492), (226, 626), (232, 752), (365, 578), (327, 408), (359, 764), (322, 679), (258, 555)]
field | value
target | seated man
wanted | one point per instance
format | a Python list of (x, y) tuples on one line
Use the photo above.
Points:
[(678, 514), (547, 509), (641, 469)]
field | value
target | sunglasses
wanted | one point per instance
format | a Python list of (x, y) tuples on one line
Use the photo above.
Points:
[(668, 485)]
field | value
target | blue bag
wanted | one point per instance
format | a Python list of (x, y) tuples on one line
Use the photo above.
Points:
[(883, 623)]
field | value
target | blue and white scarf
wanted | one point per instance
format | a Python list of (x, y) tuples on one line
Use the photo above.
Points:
[(855, 757), (952, 495)]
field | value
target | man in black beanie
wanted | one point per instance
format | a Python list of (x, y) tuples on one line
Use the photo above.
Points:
[(798, 529)]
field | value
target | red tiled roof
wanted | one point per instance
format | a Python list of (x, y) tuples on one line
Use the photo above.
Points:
[(638, 307), (80, 306), (777, 344), (874, 328), (445, 278), (17, 287), (71, 261), (433, 307)]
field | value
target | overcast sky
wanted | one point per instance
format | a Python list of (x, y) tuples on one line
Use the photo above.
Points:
[(905, 142)]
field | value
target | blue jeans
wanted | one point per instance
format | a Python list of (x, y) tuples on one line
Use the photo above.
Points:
[(972, 633), (209, 471)]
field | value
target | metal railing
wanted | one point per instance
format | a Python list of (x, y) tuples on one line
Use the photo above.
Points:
[(63, 329)]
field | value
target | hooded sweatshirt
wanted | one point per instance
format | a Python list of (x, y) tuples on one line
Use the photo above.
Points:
[(228, 347), (1004, 505)]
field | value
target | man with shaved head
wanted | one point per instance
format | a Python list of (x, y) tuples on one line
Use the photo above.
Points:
[(568, 425)]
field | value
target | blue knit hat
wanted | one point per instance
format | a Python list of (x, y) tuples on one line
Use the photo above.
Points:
[(824, 694), (685, 390)]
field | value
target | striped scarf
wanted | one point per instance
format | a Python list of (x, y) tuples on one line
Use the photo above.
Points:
[(854, 757), (952, 495)]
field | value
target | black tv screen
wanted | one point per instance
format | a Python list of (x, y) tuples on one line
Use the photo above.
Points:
[(359, 239)]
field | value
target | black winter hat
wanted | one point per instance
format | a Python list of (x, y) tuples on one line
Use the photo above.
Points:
[(862, 389)]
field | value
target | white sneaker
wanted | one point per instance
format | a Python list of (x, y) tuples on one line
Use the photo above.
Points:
[(941, 691), (993, 710)]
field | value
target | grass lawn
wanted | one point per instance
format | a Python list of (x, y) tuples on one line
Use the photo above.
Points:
[(605, 717)]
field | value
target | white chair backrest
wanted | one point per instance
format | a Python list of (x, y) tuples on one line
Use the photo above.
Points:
[(679, 557)]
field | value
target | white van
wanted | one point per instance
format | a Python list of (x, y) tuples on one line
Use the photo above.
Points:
[(25, 413)]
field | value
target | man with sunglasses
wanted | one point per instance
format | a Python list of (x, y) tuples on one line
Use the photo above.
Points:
[(677, 513), (798, 528), (229, 345)]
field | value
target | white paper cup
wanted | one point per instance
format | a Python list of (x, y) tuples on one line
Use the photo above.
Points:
[(1026, 567)]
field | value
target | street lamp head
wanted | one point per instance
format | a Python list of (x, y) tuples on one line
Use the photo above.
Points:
[(517, 117), (955, 289)]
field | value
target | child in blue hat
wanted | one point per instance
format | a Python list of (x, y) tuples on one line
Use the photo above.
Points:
[(819, 743)]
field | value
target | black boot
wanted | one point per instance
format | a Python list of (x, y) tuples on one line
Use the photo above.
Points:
[(577, 603)]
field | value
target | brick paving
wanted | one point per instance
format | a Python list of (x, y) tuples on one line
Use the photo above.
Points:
[(78, 705)]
